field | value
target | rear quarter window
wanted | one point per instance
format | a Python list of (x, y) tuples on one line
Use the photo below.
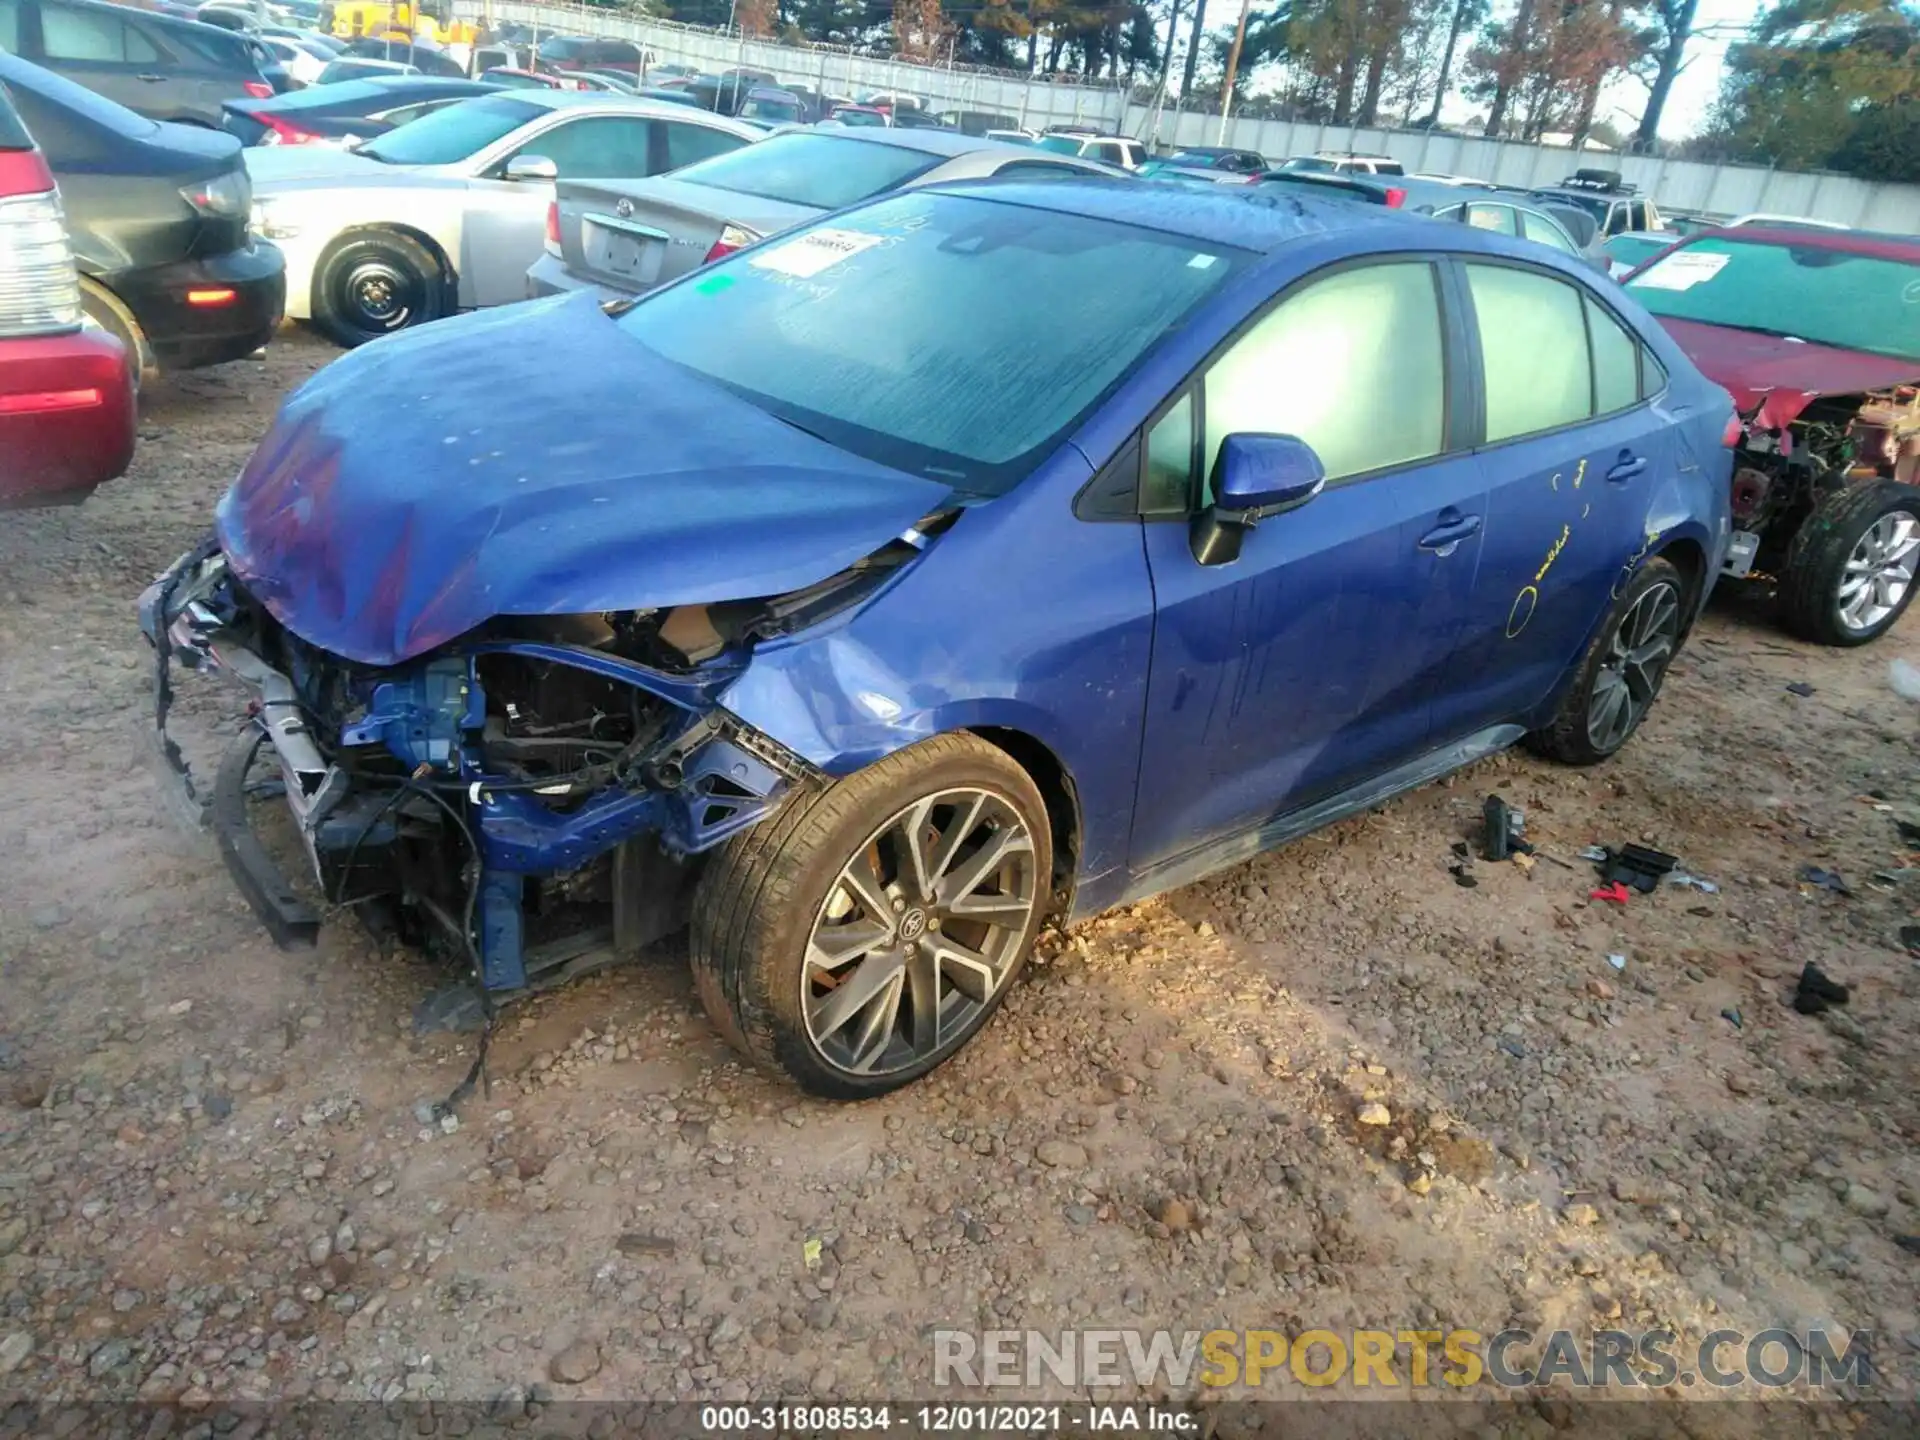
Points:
[(13, 130)]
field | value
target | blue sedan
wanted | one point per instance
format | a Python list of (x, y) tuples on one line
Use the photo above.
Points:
[(975, 554)]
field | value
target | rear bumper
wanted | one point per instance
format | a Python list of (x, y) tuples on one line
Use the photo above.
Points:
[(186, 334), (66, 417), (549, 276)]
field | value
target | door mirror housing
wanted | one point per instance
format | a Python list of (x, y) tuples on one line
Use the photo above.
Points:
[(532, 170), (1255, 476)]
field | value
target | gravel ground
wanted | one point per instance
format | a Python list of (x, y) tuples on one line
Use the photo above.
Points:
[(215, 1182)]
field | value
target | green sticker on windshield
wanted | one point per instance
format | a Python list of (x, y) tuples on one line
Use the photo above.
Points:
[(713, 284)]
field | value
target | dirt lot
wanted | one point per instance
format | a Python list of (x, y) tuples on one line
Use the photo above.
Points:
[(215, 1182)]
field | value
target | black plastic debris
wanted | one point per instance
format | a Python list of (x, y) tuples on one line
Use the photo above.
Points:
[(1825, 879), (1463, 878), (1910, 937), (1908, 1243), (1732, 1015), (1800, 687), (1497, 838), (1818, 991), (1638, 867), (1512, 1046), (1909, 832)]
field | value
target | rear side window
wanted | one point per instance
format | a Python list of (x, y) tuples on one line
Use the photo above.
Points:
[(1616, 361), (690, 144), (1533, 346), (13, 133), (1538, 227), (10, 25), (1318, 364), (824, 171), (1388, 167)]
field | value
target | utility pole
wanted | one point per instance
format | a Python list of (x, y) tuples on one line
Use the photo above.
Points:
[(1233, 65)]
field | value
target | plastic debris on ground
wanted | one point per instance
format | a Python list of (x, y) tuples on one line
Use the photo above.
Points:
[(1732, 1015), (1818, 991), (1618, 962), (1639, 867), (1825, 879), (1693, 882), (1616, 893), (1800, 687)]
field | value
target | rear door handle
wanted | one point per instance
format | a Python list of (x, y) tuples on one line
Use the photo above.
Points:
[(1442, 539), (1630, 465)]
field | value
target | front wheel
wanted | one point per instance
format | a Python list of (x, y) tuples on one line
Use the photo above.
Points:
[(1850, 568), (377, 284), (861, 936), (1622, 671)]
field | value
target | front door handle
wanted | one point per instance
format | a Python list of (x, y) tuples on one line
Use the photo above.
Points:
[(1630, 465), (150, 78), (1447, 535)]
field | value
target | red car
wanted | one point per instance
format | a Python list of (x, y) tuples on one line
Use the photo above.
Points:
[(66, 390), (1816, 334)]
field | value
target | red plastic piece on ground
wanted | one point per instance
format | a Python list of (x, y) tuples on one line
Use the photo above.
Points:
[(1615, 892)]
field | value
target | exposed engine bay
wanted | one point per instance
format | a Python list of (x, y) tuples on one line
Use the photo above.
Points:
[(538, 791), (1786, 468)]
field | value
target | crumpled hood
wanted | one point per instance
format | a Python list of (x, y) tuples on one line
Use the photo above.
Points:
[(1753, 367), (534, 460)]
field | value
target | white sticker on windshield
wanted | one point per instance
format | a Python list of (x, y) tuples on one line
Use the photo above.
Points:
[(812, 253), (1202, 262), (1680, 271)]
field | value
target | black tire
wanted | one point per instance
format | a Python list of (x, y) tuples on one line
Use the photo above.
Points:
[(105, 309), (377, 283), (759, 901), (1820, 552), (1571, 737)]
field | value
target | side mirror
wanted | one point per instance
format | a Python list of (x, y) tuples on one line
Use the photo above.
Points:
[(1255, 477), (532, 170)]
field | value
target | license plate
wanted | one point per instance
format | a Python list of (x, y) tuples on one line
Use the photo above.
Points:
[(621, 253)]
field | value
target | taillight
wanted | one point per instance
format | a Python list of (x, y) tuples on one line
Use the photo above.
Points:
[(732, 238), (553, 227), (1395, 195), (258, 89), (39, 290), (222, 197), (283, 132)]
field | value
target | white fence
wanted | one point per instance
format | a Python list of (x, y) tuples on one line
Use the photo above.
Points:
[(1036, 103)]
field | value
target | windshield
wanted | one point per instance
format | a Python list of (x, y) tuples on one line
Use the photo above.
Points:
[(1829, 297), (1309, 163), (452, 133), (1634, 249), (808, 168), (906, 331), (773, 110), (1060, 144)]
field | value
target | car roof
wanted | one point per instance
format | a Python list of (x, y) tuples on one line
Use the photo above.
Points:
[(1219, 214)]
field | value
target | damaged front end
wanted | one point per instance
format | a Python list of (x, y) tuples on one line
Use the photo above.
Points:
[(525, 799), (1795, 449)]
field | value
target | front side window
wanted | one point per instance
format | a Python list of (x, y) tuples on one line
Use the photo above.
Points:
[(1803, 292), (823, 171), (84, 35), (1352, 364), (906, 332), (1533, 348), (453, 134)]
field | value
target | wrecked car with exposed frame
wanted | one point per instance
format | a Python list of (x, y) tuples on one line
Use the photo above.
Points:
[(978, 554), (1816, 335)]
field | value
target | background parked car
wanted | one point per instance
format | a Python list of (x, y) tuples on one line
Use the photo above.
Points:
[(160, 67), (1812, 332), (447, 212), (158, 215), (1343, 162), (66, 390), (1502, 216), (422, 55), (354, 68), (302, 64), (579, 52), (1115, 150), (626, 236), (1614, 205), (347, 111), (1217, 157)]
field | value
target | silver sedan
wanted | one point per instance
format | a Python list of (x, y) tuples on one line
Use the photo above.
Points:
[(623, 237), (445, 213)]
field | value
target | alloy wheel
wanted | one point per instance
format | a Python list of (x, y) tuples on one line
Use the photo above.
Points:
[(1637, 655), (1879, 572), (918, 932)]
